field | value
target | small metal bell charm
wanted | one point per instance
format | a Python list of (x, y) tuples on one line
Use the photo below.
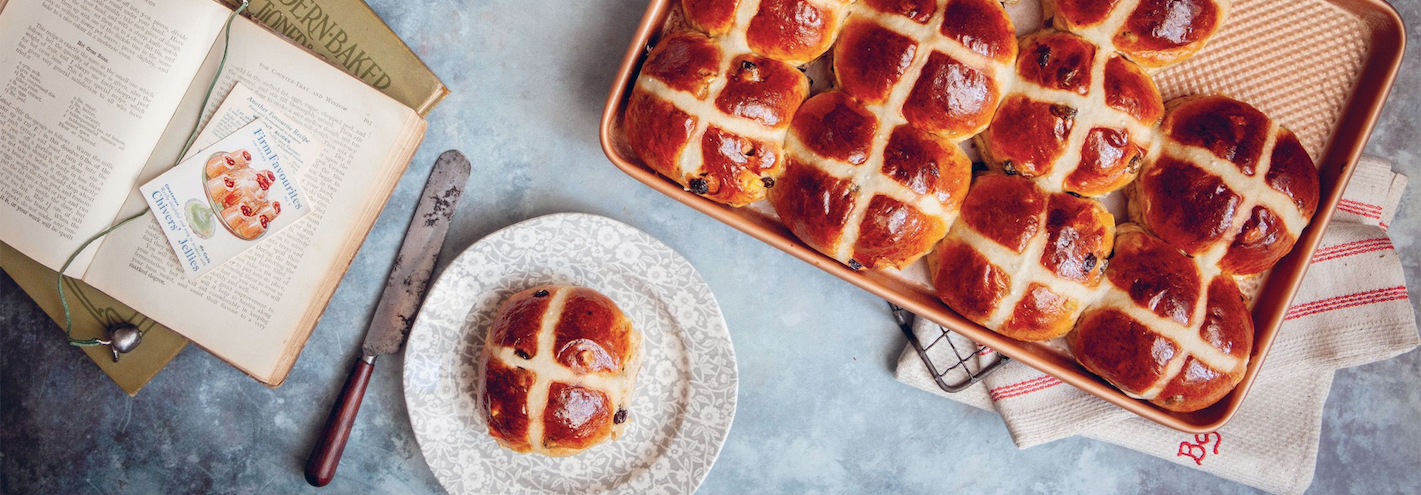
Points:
[(123, 339)]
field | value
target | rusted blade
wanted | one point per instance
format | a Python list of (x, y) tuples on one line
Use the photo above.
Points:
[(415, 262)]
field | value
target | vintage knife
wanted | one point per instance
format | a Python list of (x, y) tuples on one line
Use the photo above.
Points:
[(397, 308)]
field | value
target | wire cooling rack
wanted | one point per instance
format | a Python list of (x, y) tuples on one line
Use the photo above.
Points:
[(951, 373)]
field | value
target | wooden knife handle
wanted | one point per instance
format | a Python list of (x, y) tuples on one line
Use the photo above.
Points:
[(321, 467)]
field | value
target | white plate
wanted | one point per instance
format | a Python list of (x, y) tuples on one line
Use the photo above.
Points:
[(685, 394)]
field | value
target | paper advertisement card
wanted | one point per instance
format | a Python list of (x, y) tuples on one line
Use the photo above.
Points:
[(226, 198)]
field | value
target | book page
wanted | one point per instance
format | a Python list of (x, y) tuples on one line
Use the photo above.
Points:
[(86, 88), (256, 310)]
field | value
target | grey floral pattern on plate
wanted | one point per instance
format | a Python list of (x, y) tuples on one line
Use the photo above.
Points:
[(685, 396)]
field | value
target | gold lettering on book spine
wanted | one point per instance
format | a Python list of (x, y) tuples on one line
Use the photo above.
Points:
[(308, 24)]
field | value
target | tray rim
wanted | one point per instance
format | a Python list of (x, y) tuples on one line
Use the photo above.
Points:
[(1386, 41)]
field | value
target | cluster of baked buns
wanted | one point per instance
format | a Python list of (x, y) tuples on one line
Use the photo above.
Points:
[(239, 192), (560, 366), (871, 174)]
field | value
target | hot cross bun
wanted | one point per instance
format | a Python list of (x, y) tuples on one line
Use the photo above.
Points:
[(1078, 120), (1022, 261), (938, 65), (874, 175), (1153, 33), (711, 119), (791, 31), (560, 364), (1228, 185), (868, 211), (1166, 329)]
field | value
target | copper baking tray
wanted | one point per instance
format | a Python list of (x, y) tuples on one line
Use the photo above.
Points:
[(1321, 67)]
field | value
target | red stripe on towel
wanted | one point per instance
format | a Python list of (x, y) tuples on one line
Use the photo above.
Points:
[(1024, 387), (1361, 212), (1021, 384), (1347, 301), (1384, 245), (1349, 245), (1037, 388), (1360, 205)]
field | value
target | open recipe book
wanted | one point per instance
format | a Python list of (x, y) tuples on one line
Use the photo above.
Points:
[(97, 100)]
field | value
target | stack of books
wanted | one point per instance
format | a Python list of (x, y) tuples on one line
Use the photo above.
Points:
[(99, 107)]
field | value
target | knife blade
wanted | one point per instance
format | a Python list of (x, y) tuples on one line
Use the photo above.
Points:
[(409, 277), (399, 303)]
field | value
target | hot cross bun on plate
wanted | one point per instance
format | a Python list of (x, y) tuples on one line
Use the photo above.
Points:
[(1022, 261), (874, 177), (1167, 329), (1078, 120), (1228, 185), (1153, 33), (560, 365)]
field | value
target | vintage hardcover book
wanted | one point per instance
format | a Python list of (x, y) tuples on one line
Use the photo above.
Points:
[(408, 80), (348, 34), (96, 108)]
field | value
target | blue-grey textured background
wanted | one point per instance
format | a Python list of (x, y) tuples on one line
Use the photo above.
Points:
[(819, 410)]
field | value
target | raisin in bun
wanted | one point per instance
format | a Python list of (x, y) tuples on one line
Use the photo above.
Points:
[(1021, 261), (1153, 33), (1166, 329), (560, 364), (1229, 185)]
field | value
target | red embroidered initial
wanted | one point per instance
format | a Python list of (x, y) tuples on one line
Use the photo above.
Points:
[(1197, 450)]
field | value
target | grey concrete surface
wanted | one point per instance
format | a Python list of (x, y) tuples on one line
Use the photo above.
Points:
[(819, 411)]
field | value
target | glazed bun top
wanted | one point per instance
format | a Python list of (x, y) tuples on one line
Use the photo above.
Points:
[(1229, 186), (1153, 33), (560, 366), (1167, 329)]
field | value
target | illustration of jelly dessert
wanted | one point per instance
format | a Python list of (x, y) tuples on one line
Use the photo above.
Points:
[(200, 218), (221, 163), (239, 194), (269, 212), (232, 187)]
